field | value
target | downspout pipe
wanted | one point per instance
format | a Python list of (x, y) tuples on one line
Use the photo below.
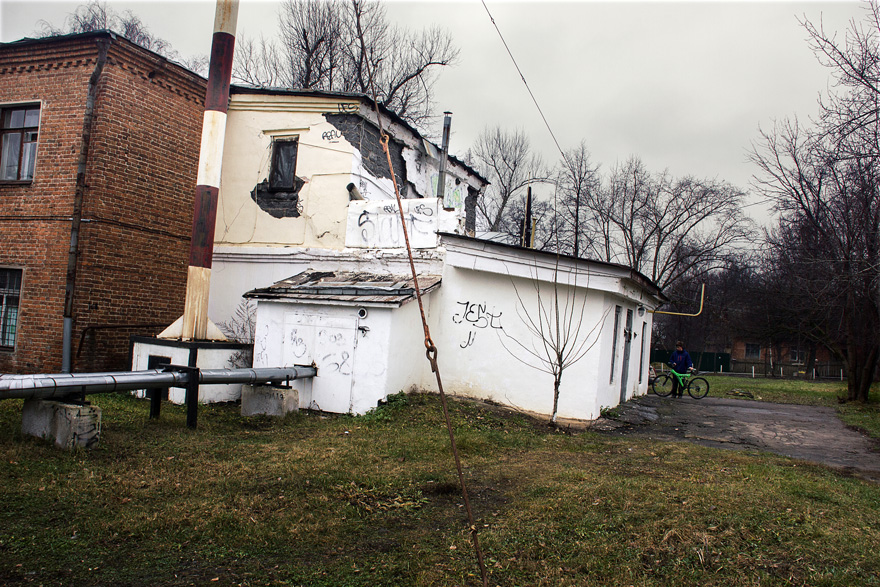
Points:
[(79, 193)]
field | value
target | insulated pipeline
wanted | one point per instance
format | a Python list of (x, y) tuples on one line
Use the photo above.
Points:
[(64, 384)]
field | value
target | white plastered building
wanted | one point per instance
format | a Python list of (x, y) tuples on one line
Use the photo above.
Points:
[(332, 283)]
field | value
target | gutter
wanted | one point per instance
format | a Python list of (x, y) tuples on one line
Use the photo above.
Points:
[(79, 194)]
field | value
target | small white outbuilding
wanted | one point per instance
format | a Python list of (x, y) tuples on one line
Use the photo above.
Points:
[(491, 309)]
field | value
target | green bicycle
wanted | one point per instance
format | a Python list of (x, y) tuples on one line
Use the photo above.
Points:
[(697, 387)]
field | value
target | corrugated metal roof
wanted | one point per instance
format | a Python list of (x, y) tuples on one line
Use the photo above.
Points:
[(346, 287)]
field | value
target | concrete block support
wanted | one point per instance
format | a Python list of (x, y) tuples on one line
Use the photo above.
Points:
[(267, 400), (69, 425)]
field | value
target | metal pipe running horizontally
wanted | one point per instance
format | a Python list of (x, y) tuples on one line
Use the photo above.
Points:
[(64, 384)]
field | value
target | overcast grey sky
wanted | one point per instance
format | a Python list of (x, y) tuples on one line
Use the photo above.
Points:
[(683, 85)]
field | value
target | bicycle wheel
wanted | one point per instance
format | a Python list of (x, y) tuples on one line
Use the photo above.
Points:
[(662, 385), (698, 388)]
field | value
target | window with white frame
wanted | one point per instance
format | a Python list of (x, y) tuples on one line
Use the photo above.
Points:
[(10, 292), (753, 351), (19, 126)]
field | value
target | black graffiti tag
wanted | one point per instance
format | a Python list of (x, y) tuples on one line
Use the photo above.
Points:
[(475, 315)]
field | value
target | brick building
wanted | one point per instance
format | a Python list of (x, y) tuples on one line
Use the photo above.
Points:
[(112, 191)]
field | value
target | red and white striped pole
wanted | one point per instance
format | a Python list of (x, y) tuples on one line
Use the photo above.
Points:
[(198, 279)]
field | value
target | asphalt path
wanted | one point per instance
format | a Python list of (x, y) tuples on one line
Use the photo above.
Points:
[(808, 433)]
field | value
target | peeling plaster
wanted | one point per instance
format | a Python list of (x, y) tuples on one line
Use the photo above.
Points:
[(363, 135)]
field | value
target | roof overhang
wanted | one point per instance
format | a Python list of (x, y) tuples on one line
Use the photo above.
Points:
[(346, 288)]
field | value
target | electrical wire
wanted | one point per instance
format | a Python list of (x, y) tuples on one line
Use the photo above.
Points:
[(523, 78)]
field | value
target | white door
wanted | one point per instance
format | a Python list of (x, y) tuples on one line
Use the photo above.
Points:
[(329, 342)]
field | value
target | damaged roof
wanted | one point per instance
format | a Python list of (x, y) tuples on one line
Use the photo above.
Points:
[(430, 148), (346, 288)]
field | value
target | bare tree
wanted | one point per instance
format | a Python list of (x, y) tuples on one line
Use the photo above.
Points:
[(320, 48), (824, 181), (853, 63), (96, 16), (507, 161), (558, 333), (664, 227), (544, 217), (578, 183), (828, 238)]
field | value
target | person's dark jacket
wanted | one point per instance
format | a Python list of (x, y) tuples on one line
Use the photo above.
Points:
[(680, 361)]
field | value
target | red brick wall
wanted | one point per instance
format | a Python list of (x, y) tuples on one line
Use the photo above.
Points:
[(137, 206)]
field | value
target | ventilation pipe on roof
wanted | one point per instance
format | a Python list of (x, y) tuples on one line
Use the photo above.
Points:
[(444, 155), (353, 192)]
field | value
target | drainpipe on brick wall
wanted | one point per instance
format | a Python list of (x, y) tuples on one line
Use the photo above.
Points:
[(76, 220)]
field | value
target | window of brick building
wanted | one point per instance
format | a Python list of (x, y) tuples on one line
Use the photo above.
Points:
[(10, 291), (18, 142), (753, 351)]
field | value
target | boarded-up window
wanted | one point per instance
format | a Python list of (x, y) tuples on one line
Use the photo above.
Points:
[(282, 177), (278, 195)]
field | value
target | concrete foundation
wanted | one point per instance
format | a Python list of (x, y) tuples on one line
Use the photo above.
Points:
[(267, 400), (69, 425)]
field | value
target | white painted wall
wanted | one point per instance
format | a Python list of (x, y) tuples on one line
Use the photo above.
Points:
[(238, 270), (252, 249), (486, 347), (487, 297), (360, 360), (323, 160)]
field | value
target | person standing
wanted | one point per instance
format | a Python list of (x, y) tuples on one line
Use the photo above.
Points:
[(681, 363)]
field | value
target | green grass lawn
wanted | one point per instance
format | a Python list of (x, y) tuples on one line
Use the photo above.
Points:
[(373, 500)]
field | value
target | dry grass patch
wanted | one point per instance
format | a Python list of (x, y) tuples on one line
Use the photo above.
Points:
[(313, 500)]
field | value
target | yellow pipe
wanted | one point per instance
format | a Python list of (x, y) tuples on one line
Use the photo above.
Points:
[(702, 295)]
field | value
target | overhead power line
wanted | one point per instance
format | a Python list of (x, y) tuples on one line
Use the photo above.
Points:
[(523, 78)]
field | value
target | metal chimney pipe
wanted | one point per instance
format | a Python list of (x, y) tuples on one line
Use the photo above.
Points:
[(198, 279), (444, 148)]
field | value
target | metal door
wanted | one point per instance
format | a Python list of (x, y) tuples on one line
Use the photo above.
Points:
[(329, 342), (627, 341)]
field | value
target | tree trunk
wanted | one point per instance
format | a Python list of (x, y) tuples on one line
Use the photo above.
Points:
[(557, 379), (861, 366), (811, 360)]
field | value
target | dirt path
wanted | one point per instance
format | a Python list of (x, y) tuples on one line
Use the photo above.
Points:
[(809, 433)]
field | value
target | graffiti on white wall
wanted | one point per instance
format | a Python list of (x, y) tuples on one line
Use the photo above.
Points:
[(453, 195), (376, 224), (475, 316), (335, 355)]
